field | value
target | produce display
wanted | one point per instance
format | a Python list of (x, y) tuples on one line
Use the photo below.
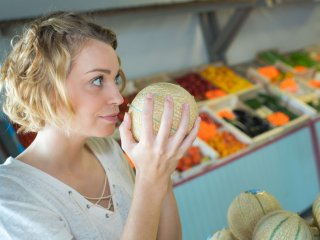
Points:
[(300, 60), (252, 214), (224, 234), (270, 108), (160, 91), (247, 209), (273, 74), (221, 140), (225, 78), (193, 157), (262, 113), (257, 215), (282, 225), (286, 81), (295, 87), (249, 123), (316, 211), (314, 83), (271, 57), (198, 87)]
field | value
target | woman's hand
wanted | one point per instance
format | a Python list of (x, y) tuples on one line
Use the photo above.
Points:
[(156, 156)]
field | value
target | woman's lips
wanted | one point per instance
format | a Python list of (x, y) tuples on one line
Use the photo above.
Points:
[(110, 118)]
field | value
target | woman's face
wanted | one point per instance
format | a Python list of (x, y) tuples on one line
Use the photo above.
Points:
[(93, 90)]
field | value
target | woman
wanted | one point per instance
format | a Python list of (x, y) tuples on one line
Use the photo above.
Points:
[(73, 182)]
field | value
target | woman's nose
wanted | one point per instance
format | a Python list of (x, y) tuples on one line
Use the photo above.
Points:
[(114, 96)]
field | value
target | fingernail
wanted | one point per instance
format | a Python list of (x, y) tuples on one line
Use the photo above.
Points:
[(149, 95), (186, 106), (169, 98), (125, 118)]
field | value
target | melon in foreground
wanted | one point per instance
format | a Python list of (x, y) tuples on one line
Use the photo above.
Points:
[(316, 210), (282, 225), (160, 91), (247, 209), (224, 234)]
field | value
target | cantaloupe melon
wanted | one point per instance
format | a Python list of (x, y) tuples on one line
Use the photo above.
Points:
[(224, 234), (247, 209), (316, 211), (282, 225), (160, 91)]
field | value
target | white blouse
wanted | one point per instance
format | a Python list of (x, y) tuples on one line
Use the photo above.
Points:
[(35, 205)]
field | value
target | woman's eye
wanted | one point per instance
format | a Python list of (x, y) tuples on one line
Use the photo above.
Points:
[(117, 79), (97, 81)]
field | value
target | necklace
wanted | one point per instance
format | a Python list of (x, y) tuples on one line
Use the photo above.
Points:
[(102, 197)]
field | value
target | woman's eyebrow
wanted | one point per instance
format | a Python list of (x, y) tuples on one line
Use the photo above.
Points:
[(107, 71)]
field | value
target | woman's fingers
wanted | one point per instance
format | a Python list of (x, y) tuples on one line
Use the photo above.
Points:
[(183, 127), (147, 135), (166, 122), (127, 140), (187, 142)]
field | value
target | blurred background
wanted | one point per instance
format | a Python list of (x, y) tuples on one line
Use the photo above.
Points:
[(253, 67)]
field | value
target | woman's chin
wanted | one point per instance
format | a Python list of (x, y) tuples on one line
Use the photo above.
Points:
[(110, 131)]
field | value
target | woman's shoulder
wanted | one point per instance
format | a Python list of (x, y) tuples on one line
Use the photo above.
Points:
[(9, 171), (13, 178)]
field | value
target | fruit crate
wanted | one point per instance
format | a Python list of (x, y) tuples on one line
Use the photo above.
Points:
[(196, 85), (222, 127), (225, 78), (302, 95), (224, 140), (211, 159), (294, 62), (298, 71), (285, 81), (286, 104), (242, 68), (233, 103)]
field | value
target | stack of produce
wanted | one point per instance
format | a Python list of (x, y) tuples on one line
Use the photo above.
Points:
[(193, 157), (270, 108), (271, 57), (299, 60), (316, 211), (257, 215), (273, 74), (222, 141), (287, 82), (249, 123), (199, 87), (225, 78), (314, 83)]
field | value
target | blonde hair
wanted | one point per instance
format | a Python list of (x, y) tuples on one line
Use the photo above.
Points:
[(33, 77)]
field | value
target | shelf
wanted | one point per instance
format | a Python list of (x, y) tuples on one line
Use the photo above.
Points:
[(203, 202), (294, 1), (208, 168), (118, 8)]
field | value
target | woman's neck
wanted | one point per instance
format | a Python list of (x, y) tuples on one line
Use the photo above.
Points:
[(55, 150)]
